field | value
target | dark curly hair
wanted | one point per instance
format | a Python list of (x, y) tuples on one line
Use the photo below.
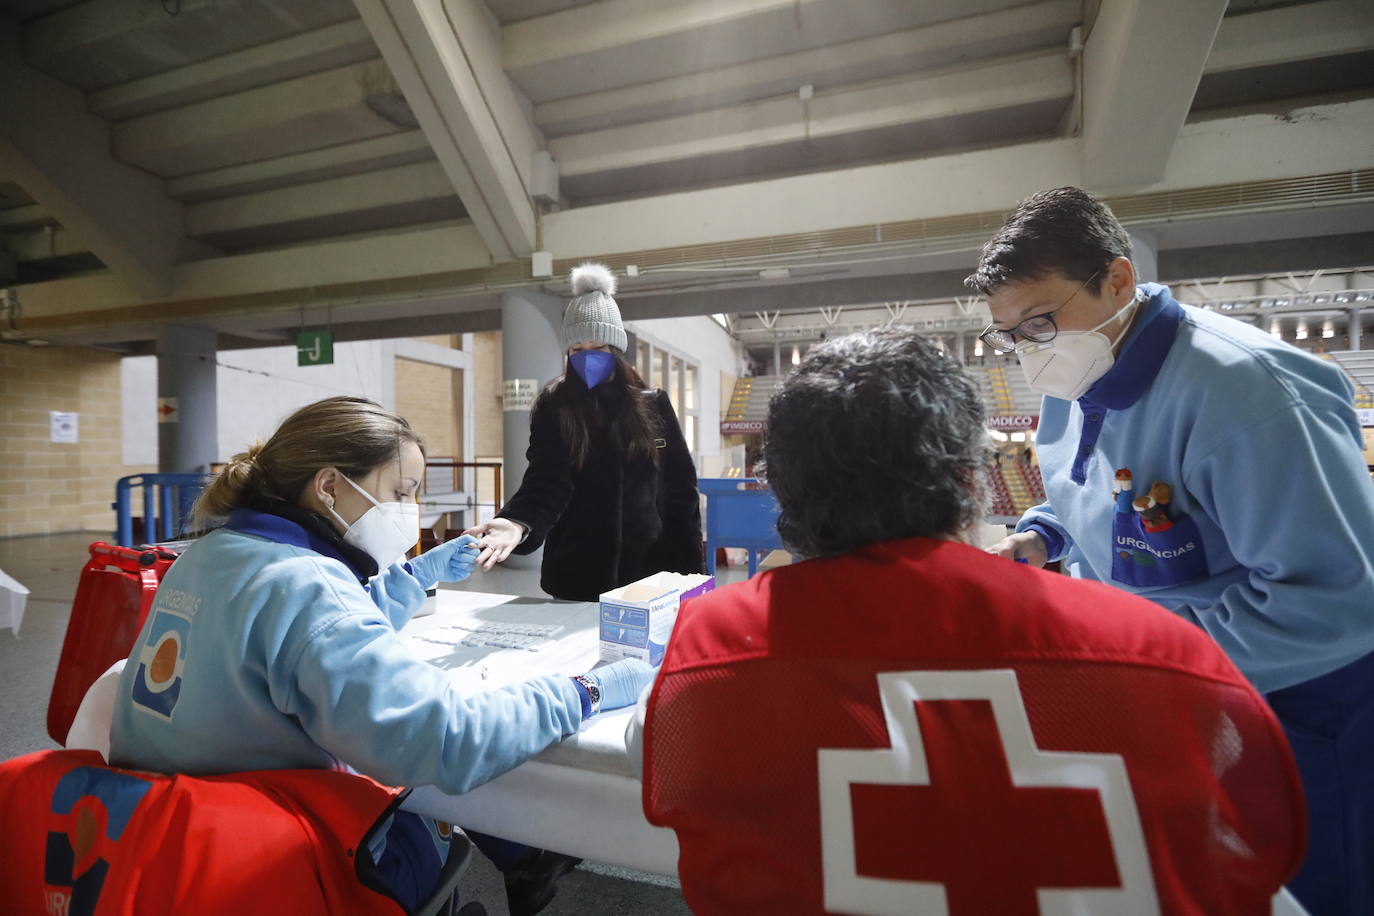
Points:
[(874, 437), (1062, 230)]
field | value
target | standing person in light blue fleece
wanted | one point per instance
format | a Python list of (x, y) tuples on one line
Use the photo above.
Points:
[(272, 642), (1194, 460)]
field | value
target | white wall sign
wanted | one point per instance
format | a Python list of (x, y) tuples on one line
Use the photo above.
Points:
[(62, 426), (168, 411), (519, 393), (1366, 415)]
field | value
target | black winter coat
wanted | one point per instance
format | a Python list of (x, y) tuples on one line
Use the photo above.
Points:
[(616, 520)]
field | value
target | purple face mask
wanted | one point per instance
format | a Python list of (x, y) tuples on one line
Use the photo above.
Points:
[(595, 366)]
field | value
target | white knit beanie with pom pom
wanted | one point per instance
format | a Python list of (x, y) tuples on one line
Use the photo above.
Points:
[(592, 315)]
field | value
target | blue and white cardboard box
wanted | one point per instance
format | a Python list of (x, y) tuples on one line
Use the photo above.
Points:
[(637, 619)]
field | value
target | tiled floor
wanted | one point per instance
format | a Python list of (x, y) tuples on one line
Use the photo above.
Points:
[(49, 567)]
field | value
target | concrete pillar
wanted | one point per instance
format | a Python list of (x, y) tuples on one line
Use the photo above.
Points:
[(777, 358), (1355, 329), (1145, 255), (530, 349), (187, 431)]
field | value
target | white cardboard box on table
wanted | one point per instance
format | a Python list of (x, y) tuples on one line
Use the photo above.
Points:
[(13, 597), (637, 619)]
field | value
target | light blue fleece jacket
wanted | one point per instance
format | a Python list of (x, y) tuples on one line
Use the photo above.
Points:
[(1268, 540), (274, 655)]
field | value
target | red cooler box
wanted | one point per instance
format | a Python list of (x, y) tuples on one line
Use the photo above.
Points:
[(112, 599)]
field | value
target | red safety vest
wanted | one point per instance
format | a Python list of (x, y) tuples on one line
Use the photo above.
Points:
[(84, 839), (921, 727)]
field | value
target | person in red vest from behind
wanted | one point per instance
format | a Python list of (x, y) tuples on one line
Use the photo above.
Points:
[(904, 723)]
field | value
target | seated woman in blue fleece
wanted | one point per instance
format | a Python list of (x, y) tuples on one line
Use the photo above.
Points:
[(273, 644)]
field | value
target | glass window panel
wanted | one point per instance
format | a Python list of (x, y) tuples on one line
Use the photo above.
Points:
[(675, 384), (656, 370), (642, 357), (690, 393)]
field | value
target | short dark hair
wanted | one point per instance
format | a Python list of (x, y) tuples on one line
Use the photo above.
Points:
[(876, 436), (1062, 230)]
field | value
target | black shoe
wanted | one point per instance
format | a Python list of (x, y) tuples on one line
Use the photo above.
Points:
[(532, 884)]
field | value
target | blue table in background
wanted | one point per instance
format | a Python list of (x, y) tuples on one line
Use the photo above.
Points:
[(740, 512)]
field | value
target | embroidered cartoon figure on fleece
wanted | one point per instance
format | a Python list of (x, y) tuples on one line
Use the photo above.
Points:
[(1153, 514), (1123, 490)]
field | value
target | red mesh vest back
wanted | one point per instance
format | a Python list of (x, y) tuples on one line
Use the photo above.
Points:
[(921, 727), (85, 838)]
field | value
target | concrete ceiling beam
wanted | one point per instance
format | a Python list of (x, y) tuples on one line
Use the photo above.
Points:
[(59, 154), (42, 243), (1292, 34), (613, 43), (298, 55), (1255, 147), (80, 28), (1141, 66), (446, 59), (1326, 138), (994, 35), (387, 188), (316, 165), (101, 43), (959, 91), (26, 217), (311, 112), (265, 282)]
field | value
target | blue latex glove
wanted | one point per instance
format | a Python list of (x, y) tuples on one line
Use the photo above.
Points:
[(451, 561), (622, 682)]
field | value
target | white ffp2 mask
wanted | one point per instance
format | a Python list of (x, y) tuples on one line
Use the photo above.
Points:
[(384, 532), (1067, 366)]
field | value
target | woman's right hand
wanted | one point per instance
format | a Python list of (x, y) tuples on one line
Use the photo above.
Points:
[(496, 538), (1027, 547)]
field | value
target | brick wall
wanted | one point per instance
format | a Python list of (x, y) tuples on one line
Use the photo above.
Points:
[(47, 487), (486, 359), (424, 396), (487, 433)]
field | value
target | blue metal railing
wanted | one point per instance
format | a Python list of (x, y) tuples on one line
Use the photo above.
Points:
[(167, 501)]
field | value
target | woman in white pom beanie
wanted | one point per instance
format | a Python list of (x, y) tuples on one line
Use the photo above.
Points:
[(611, 490)]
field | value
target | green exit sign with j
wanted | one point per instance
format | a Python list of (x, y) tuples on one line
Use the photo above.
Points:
[(314, 348)]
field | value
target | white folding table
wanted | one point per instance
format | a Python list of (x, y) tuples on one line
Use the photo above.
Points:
[(581, 796)]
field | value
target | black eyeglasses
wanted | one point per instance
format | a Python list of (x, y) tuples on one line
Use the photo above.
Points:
[(1037, 328)]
